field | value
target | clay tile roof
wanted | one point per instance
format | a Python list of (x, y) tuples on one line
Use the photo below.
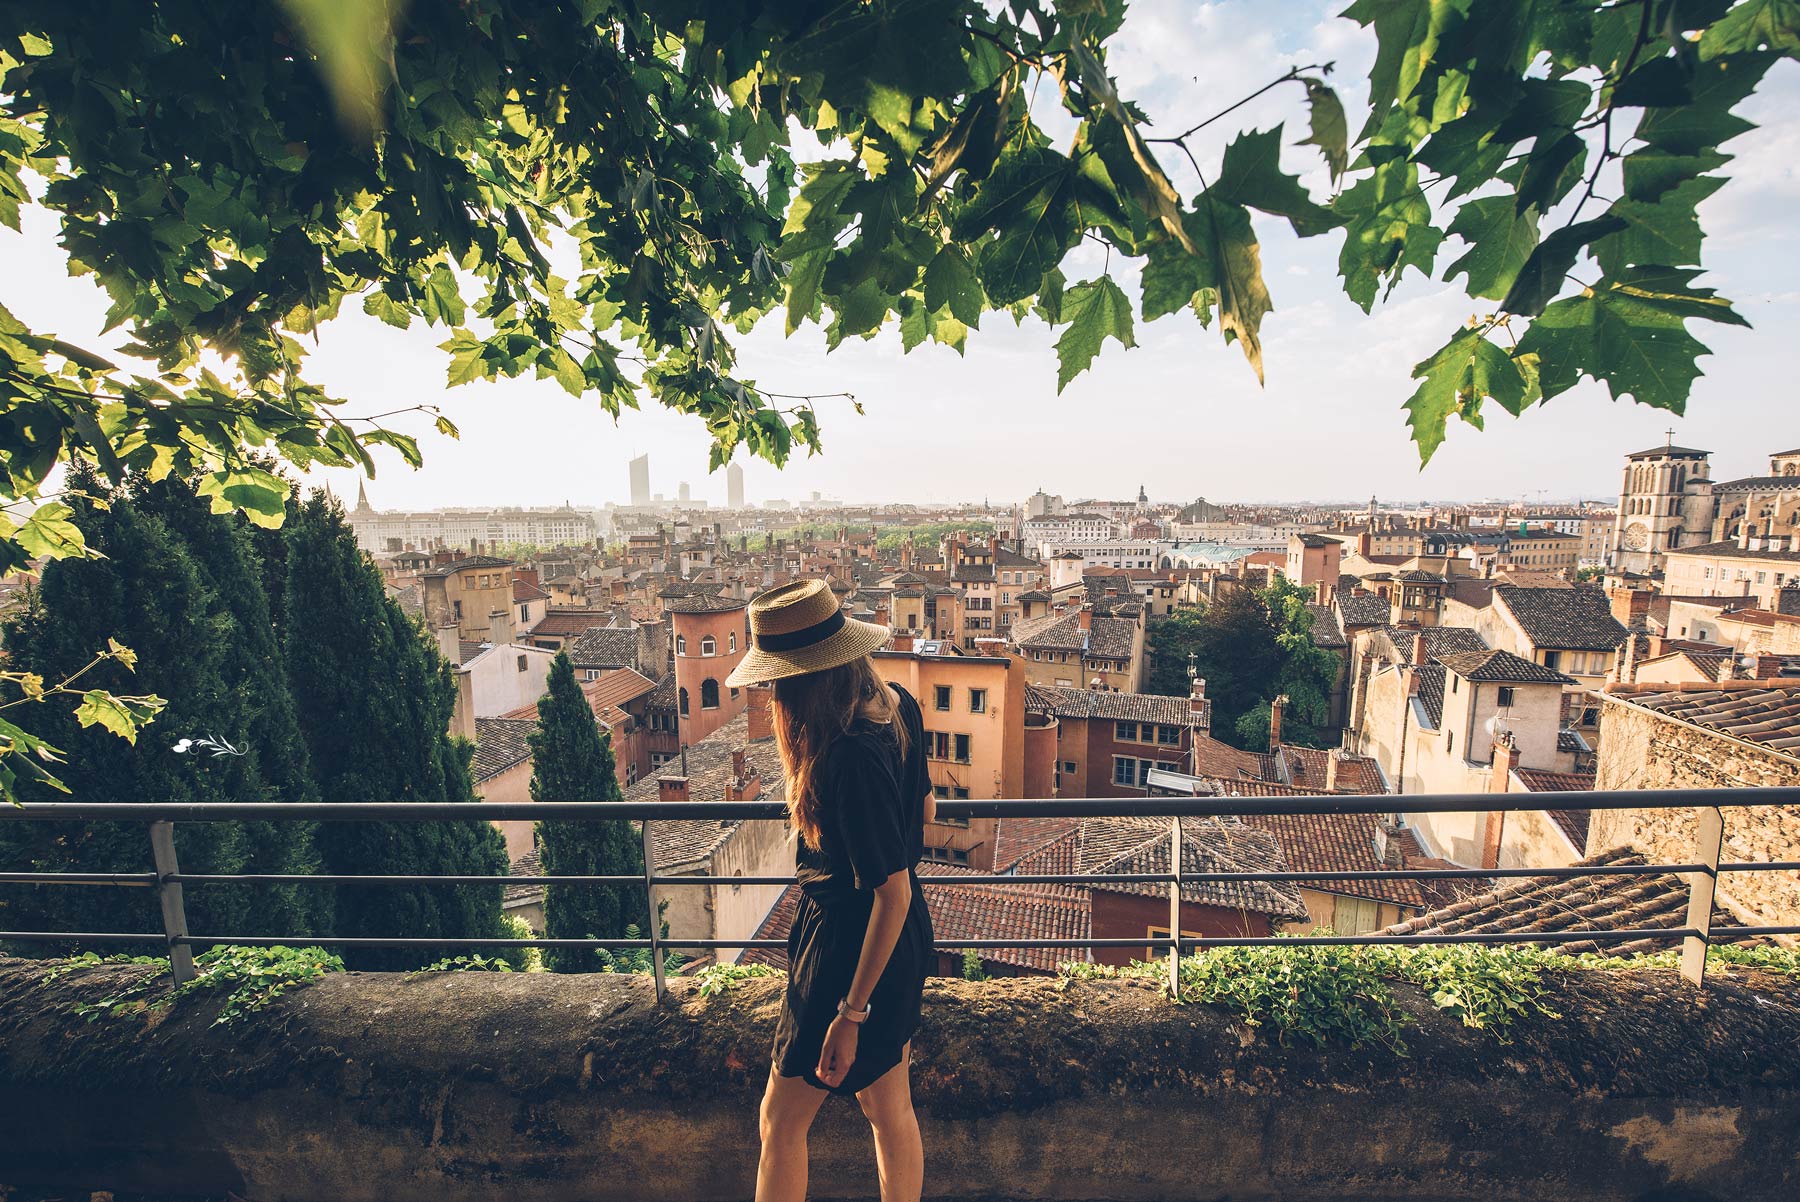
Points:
[(527, 865), (1067, 702), (703, 603), (472, 561), (677, 842), (1366, 609), (1768, 715), (604, 647), (1055, 632), (974, 573), (1502, 666), (500, 744), (1336, 843), (561, 623), (1431, 692), (1325, 632), (524, 590), (1572, 619), (1529, 905), (1141, 845), (1111, 638)]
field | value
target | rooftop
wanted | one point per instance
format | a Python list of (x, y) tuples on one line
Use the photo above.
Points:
[(1566, 619), (500, 744), (1501, 666), (1119, 707), (1766, 713)]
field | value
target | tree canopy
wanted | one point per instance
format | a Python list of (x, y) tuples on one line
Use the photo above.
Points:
[(603, 193)]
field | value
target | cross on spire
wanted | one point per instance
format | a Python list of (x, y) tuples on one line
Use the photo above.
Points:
[(1671, 433)]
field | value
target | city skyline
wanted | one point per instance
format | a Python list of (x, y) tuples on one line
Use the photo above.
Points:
[(1181, 414)]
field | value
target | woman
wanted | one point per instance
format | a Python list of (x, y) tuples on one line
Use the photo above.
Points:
[(858, 798)]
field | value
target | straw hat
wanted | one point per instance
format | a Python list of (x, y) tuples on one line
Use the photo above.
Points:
[(800, 628)]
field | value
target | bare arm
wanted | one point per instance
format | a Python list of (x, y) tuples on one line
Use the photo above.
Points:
[(887, 914)]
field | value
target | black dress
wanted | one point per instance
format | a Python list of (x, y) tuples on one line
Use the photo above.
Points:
[(872, 819)]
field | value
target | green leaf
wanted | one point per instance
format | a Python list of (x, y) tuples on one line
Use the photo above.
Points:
[(442, 300), (803, 288), (1500, 241), (123, 716), (1550, 172), (261, 494), (1666, 231), (1547, 267), (1636, 345), (1407, 33), (1174, 279), (1754, 25), (1231, 247), (1672, 290), (1251, 175), (1029, 201), (1649, 173), (354, 47), (1389, 230), (1095, 310), (1463, 374), (950, 283), (49, 533), (1147, 184), (1329, 129), (1700, 126), (379, 304)]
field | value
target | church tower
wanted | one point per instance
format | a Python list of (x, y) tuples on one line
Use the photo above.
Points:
[(1665, 501)]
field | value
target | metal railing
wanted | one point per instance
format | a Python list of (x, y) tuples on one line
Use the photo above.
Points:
[(1701, 872)]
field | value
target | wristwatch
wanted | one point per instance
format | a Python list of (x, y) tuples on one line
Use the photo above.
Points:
[(854, 1016)]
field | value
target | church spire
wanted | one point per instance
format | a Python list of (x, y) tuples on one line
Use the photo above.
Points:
[(362, 496)]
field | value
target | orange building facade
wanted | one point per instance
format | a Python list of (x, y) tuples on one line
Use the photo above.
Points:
[(711, 635)]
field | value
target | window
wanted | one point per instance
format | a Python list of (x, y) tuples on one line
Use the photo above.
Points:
[(962, 749), (1449, 741), (941, 697), (1069, 767), (1355, 915), (1168, 736), (709, 645), (1505, 697), (681, 644), (594, 674), (1124, 771), (1125, 732), (683, 702), (522, 663), (978, 701), (731, 645), (709, 694), (938, 744), (524, 613), (734, 694), (456, 608), (1553, 660)]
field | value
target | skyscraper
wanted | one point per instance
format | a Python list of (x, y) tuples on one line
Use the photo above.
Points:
[(640, 480), (684, 494), (734, 486)]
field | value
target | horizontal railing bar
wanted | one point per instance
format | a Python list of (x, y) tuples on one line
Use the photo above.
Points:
[(137, 879), (1098, 878), (1065, 807), (1724, 934)]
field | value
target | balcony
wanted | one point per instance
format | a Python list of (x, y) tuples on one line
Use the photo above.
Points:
[(1675, 1081)]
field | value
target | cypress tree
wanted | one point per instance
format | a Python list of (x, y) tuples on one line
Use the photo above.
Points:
[(374, 701), (148, 594), (253, 669), (572, 760)]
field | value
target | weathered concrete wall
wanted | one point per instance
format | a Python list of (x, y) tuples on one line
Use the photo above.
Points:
[(552, 1089), (1644, 750)]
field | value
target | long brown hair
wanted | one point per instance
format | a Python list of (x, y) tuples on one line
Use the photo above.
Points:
[(814, 710)]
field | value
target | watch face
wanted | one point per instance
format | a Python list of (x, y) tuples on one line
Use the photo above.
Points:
[(1636, 537)]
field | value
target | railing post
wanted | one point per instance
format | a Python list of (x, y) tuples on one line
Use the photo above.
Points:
[(656, 954), (1175, 858), (168, 893), (1709, 836)]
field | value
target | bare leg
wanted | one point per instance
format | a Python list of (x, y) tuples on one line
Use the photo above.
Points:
[(899, 1154), (788, 1107)]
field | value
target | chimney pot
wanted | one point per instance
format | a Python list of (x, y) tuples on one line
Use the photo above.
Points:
[(672, 788)]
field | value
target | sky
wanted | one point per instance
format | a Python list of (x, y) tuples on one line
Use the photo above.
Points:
[(1181, 414)]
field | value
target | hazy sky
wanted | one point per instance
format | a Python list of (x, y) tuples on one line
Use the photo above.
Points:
[(1182, 413)]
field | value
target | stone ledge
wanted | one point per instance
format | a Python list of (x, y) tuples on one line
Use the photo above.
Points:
[(553, 1089)]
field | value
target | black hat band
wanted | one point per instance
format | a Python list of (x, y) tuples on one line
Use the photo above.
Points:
[(806, 636)]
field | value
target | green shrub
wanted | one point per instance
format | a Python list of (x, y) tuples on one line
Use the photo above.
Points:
[(251, 978)]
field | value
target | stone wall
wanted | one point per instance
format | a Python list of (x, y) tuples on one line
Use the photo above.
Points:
[(1645, 750), (535, 1088)]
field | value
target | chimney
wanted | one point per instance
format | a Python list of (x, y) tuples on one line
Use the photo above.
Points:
[(462, 716), (1387, 844), (746, 781), (672, 788), (1333, 759), (1767, 666), (1506, 758), (449, 642), (1197, 696), (1419, 656), (499, 627), (621, 615), (760, 715), (1276, 708), (1085, 616)]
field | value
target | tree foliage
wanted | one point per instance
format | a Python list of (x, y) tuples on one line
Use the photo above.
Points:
[(603, 194), (572, 760), (373, 699), (1250, 646)]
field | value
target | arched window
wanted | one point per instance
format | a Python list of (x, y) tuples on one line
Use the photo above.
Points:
[(684, 703), (681, 644), (732, 644), (709, 694), (709, 645)]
